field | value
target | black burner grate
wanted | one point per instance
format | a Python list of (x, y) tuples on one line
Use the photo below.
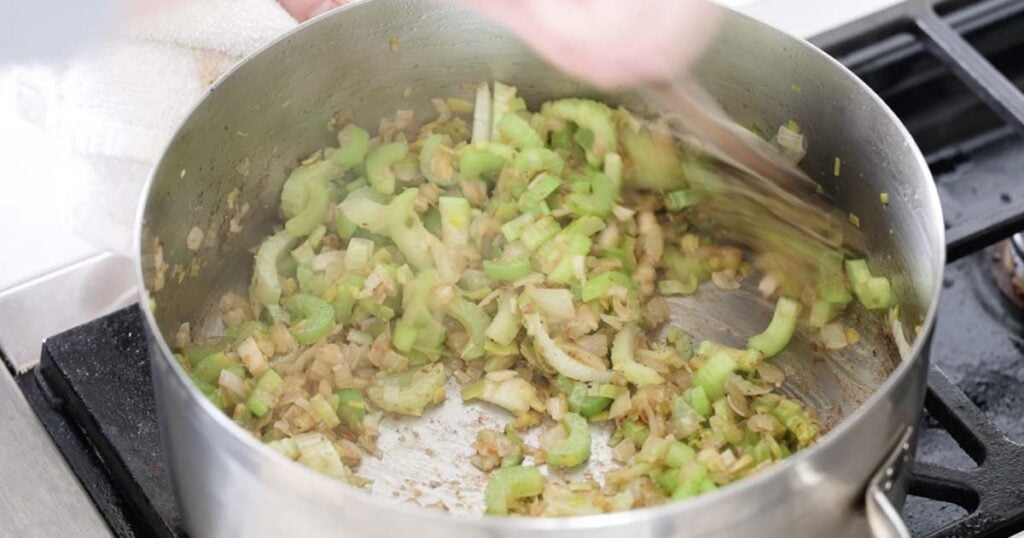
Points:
[(909, 51)]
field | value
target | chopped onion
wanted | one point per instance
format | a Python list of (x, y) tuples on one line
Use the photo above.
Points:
[(771, 374), (231, 383), (769, 285), (725, 279), (833, 336)]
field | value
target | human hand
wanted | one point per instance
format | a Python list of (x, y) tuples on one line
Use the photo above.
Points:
[(610, 43), (306, 9)]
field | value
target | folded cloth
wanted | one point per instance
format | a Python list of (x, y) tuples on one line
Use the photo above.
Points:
[(116, 105)]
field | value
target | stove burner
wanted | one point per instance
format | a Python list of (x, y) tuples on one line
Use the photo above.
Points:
[(1009, 269)]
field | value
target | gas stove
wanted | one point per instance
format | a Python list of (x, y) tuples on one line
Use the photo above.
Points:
[(951, 72)]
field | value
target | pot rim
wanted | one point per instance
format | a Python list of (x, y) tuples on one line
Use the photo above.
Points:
[(833, 437)]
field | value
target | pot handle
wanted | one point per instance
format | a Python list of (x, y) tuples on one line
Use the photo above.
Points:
[(887, 488)]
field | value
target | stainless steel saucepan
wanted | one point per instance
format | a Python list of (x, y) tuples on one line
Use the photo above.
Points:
[(225, 167)]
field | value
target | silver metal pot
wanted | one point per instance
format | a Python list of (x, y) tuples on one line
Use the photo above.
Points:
[(225, 167)]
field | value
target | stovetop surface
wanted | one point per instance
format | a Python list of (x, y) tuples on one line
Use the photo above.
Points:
[(92, 388)]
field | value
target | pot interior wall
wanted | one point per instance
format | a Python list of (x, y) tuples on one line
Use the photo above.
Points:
[(225, 167)]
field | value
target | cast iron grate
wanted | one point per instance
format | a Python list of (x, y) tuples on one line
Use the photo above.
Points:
[(894, 42)]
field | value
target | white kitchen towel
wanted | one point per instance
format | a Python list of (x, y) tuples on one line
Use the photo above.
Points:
[(114, 106)]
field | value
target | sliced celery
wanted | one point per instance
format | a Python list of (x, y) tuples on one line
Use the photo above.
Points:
[(593, 116), (484, 161), (575, 448), (351, 407), (437, 161), (531, 161), (518, 132), (711, 377), (266, 286), (623, 362), (409, 394), (379, 173), (353, 143), (510, 484), (776, 337), (873, 292), (264, 394), (474, 320), (316, 318)]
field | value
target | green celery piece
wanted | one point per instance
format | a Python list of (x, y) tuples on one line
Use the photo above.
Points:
[(598, 286), (436, 160), (246, 329), (831, 285), (692, 483), (407, 231), (575, 448), (296, 195), (666, 479), (873, 292), (507, 270), (822, 313), (344, 227), (367, 209), (723, 422), (623, 347), (266, 286), (531, 161), (506, 323), (208, 369), (555, 259), (681, 199), (409, 393), (317, 318), (599, 201), (678, 287), (518, 132), (432, 221), (474, 320), (504, 102), (351, 408), (325, 410), (538, 190), (195, 354), (698, 399), (482, 114), (593, 116), (456, 216), (513, 229), (420, 325), (510, 484), (657, 160), (794, 417), (683, 267), (344, 300), (557, 263), (543, 230), (353, 143), (484, 161), (719, 366), (379, 173), (634, 431), (592, 405), (318, 205), (263, 395), (775, 338), (679, 454)]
